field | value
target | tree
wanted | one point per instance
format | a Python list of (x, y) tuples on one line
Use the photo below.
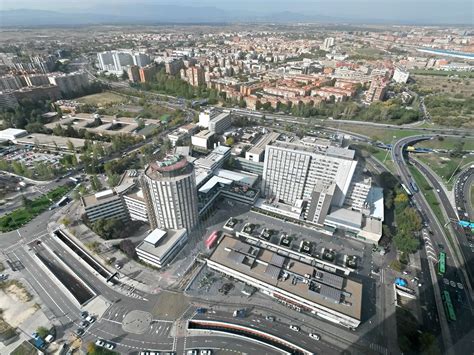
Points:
[(95, 183), (166, 145), (42, 332), (113, 179), (70, 146), (406, 243), (128, 248), (229, 141)]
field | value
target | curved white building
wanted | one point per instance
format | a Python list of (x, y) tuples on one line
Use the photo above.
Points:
[(169, 188)]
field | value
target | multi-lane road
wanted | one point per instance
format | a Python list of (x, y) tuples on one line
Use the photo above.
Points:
[(456, 336)]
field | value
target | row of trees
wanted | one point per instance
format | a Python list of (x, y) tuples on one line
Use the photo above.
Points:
[(39, 170), (392, 111), (172, 85), (407, 219)]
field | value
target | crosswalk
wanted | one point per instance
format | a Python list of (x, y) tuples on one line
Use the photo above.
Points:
[(379, 348)]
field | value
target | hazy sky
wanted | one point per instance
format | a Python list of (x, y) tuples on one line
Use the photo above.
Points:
[(443, 11)]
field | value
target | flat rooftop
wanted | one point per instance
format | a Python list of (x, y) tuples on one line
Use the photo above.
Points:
[(329, 290), (99, 198), (165, 242), (317, 149), (259, 147)]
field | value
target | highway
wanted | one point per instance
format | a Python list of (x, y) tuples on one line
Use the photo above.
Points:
[(457, 335), (452, 217), (462, 189), (313, 121)]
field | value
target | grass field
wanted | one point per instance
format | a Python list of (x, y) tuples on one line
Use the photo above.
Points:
[(442, 84), (443, 165), (383, 134), (428, 192), (447, 143), (103, 99)]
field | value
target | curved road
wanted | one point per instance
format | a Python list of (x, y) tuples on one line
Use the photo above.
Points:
[(457, 332)]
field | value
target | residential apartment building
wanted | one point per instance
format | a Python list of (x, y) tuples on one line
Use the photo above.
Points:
[(376, 91), (116, 62), (195, 76), (69, 83), (147, 73), (10, 82), (134, 73)]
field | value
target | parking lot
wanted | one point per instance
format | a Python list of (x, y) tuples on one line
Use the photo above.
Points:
[(29, 156)]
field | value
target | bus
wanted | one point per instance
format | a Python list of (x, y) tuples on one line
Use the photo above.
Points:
[(442, 263), (448, 306), (212, 240), (406, 190)]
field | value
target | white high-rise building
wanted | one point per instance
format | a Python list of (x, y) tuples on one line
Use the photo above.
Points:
[(170, 192), (141, 59), (116, 62), (400, 75), (10, 82), (292, 171), (328, 43), (69, 83)]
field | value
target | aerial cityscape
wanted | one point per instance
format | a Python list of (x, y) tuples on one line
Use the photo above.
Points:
[(247, 178)]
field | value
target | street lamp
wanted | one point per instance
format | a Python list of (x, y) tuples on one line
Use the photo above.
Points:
[(389, 150)]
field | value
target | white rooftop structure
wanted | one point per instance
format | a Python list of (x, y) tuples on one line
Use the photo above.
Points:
[(10, 134), (213, 181), (104, 194), (155, 237), (237, 176)]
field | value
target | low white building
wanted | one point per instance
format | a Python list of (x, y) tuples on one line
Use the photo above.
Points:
[(104, 205), (400, 75), (202, 139), (160, 246), (136, 206), (11, 134)]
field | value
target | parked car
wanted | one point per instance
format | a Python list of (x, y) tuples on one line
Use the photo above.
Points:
[(315, 336), (99, 342), (110, 346), (270, 318), (90, 319)]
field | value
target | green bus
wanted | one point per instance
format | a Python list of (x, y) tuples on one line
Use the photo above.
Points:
[(442, 263), (448, 306)]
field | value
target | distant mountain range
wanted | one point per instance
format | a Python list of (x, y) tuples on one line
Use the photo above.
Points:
[(148, 14)]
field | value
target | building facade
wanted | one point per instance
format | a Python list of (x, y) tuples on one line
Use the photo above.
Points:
[(170, 193)]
